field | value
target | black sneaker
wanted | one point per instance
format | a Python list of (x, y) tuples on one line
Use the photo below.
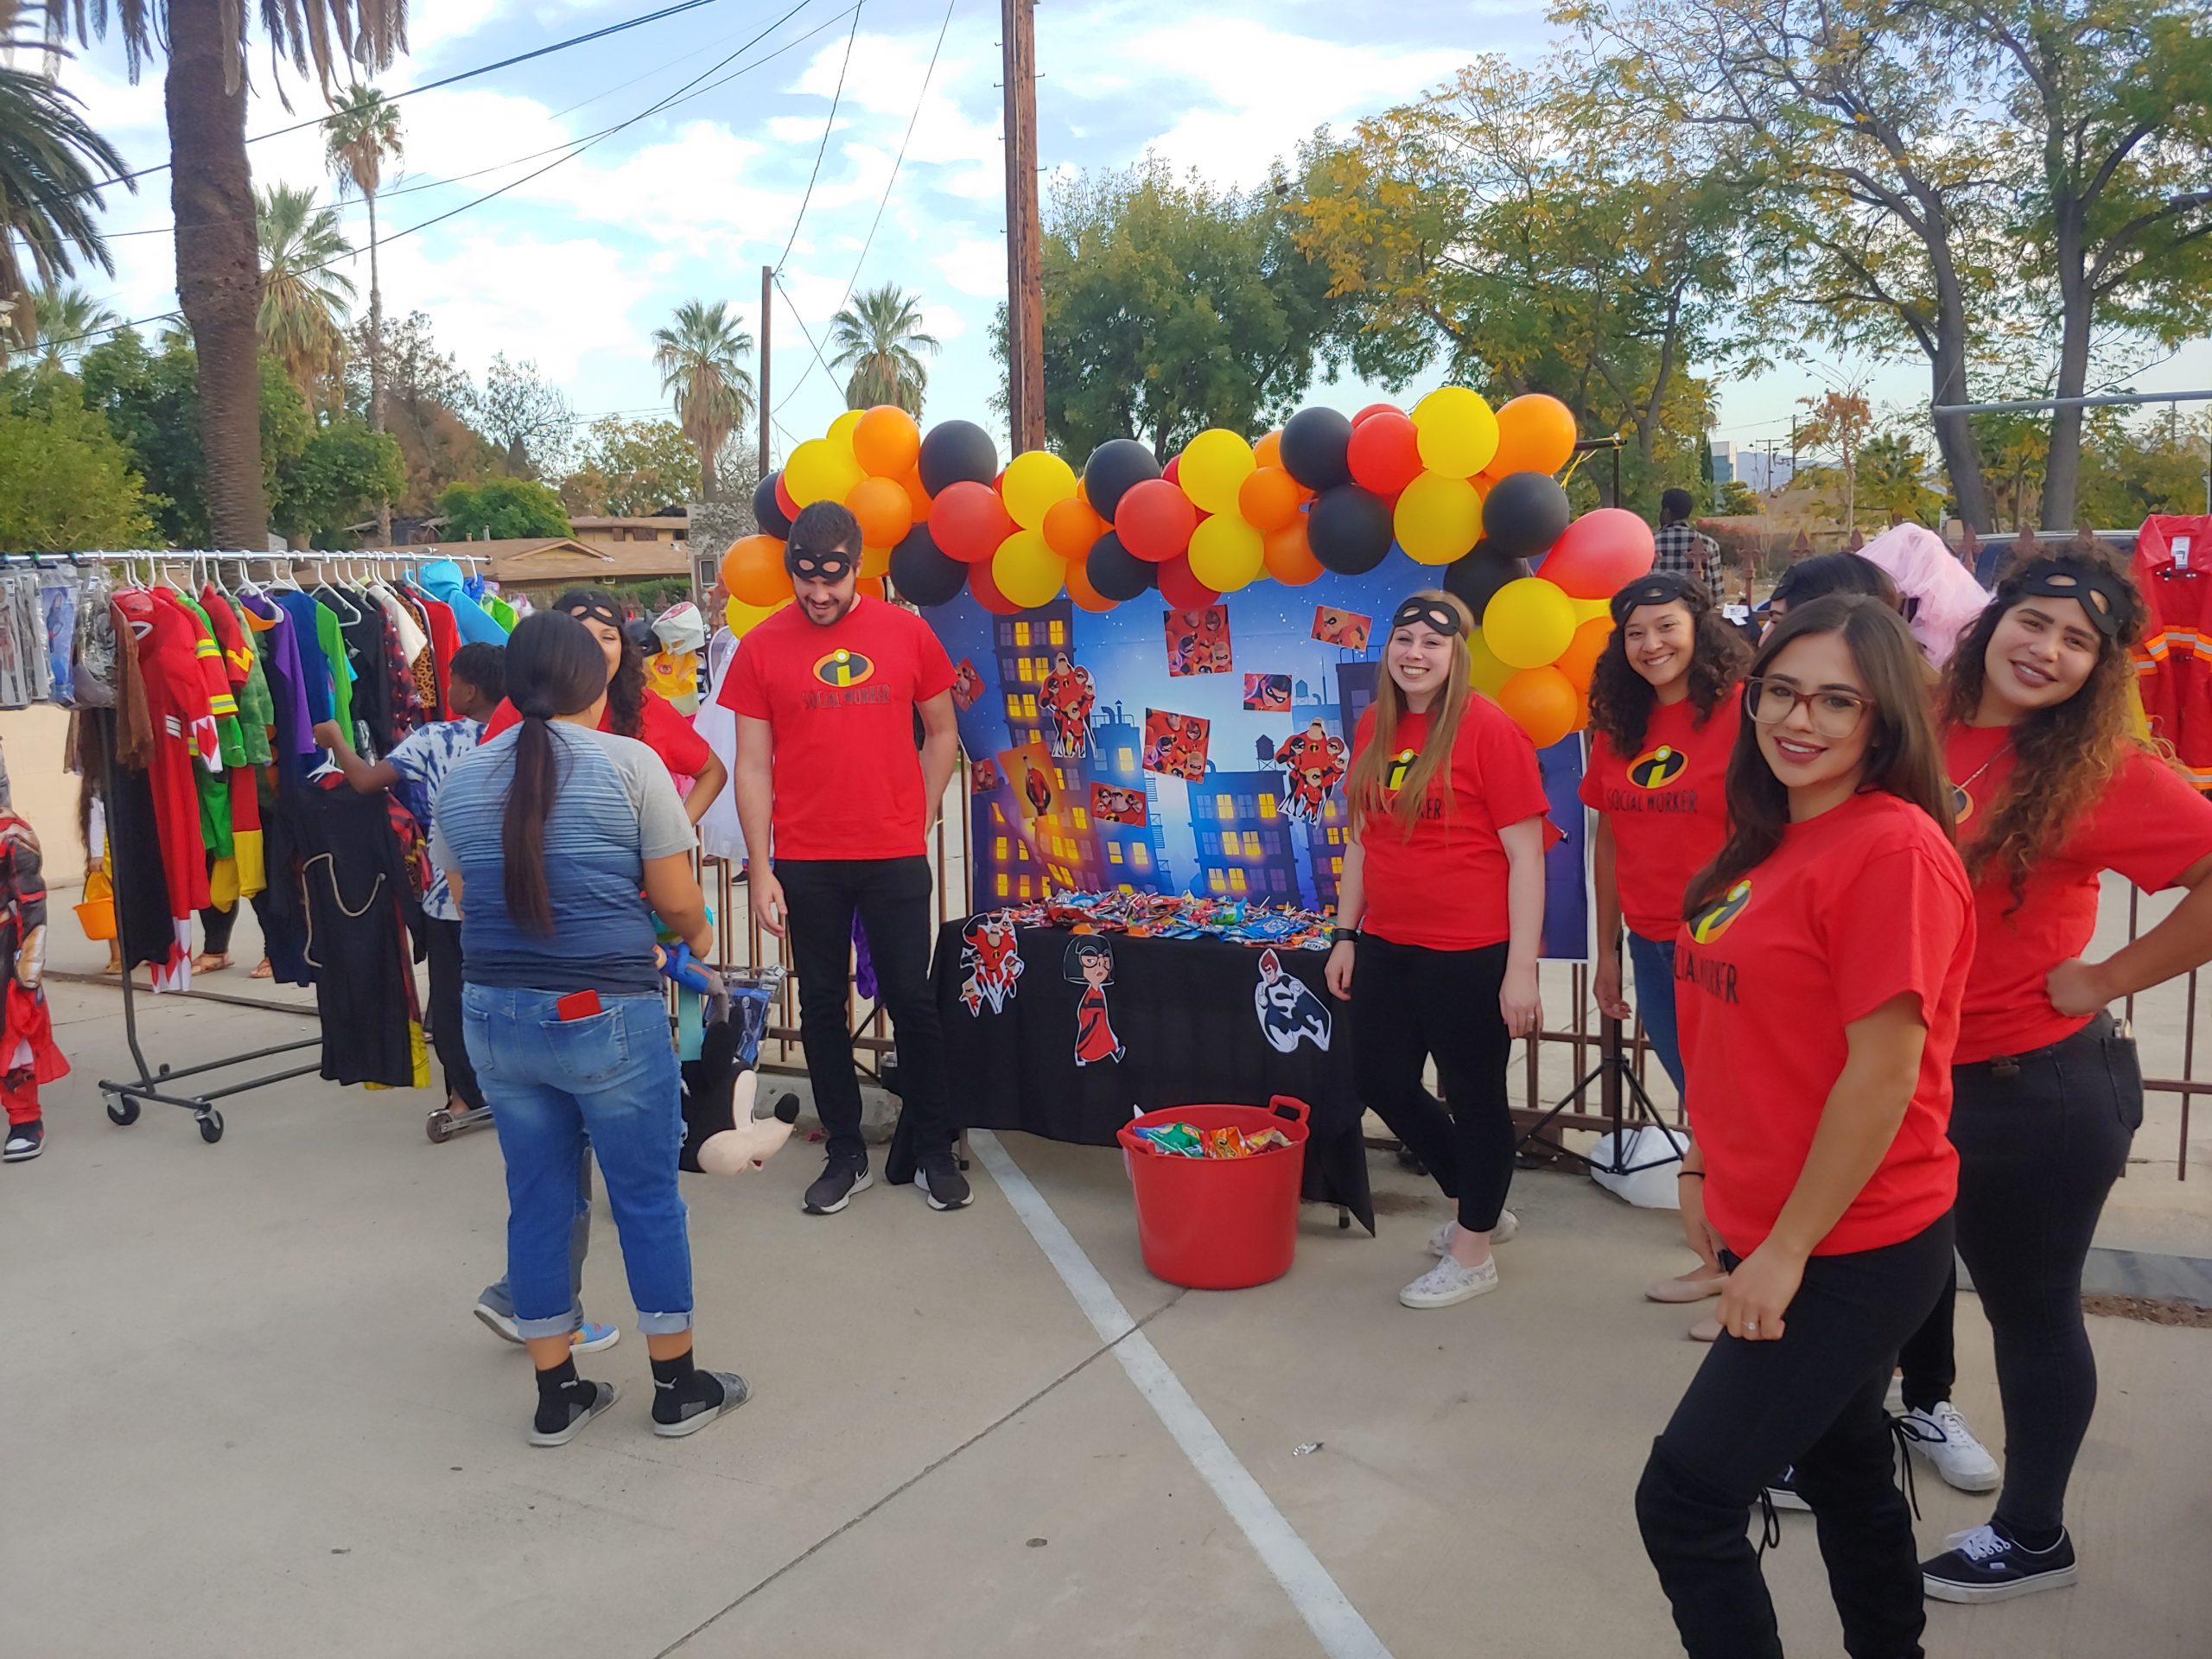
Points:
[(833, 1190), (698, 1414), (1781, 1491), (25, 1141), (939, 1180), (1988, 1564)]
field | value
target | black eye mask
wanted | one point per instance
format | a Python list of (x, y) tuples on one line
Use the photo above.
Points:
[(592, 610), (1650, 590), (828, 564), (1436, 614), (2097, 591)]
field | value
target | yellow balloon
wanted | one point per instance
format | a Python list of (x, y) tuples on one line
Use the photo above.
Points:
[(1026, 570), (1439, 519), (743, 618), (1215, 465), (1034, 485), (841, 430), (821, 469), (1456, 432), (875, 562), (1226, 553), (1487, 674), (1529, 623), (1589, 610)]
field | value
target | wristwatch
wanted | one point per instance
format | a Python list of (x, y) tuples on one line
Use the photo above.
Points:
[(1342, 934)]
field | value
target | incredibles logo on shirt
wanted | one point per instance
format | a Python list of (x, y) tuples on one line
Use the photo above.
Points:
[(1657, 768), (843, 668), (1396, 777), (1715, 919)]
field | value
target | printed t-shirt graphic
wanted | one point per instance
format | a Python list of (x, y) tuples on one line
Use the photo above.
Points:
[(1863, 903), (2149, 826), (839, 702), (1667, 805)]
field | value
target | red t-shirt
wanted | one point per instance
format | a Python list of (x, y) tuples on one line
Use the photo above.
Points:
[(839, 702), (2149, 825), (1668, 804), (1864, 903), (1443, 886), (661, 727)]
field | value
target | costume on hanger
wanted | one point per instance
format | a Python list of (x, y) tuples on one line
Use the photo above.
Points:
[(445, 639), (358, 898), (673, 671), (2173, 569), (183, 739), (441, 580)]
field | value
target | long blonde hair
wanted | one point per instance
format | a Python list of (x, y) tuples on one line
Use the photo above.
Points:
[(1363, 788)]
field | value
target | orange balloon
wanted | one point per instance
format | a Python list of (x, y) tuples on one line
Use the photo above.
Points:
[(1086, 597), (1543, 702), (1536, 434), (885, 512), (1288, 559), (753, 571), (1579, 660), (1268, 452), (916, 494), (875, 562), (872, 586), (1268, 498), (886, 443), (1070, 527)]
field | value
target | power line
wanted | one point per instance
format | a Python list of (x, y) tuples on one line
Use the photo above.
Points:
[(827, 127)]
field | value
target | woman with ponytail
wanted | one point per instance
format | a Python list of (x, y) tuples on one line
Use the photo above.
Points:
[(548, 834)]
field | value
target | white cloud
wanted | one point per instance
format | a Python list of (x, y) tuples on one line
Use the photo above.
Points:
[(975, 266), (550, 300)]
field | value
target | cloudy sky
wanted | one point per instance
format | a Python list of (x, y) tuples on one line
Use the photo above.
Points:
[(575, 267)]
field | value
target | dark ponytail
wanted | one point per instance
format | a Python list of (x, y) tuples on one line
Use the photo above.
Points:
[(554, 667)]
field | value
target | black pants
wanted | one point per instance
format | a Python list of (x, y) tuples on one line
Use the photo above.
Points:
[(442, 942), (1407, 1003), (1930, 1358), (215, 924), (2040, 1139), (893, 898), (1812, 1399)]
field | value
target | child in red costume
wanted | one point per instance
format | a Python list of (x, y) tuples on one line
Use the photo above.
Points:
[(27, 1054)]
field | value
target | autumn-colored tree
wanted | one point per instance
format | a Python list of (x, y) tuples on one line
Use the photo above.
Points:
[(1836, 423)]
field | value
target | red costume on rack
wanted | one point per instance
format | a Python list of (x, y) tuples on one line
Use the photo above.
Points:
[(2173, 567), (184, 732)]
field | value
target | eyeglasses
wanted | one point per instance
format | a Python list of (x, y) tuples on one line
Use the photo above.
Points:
[(1833, 714)]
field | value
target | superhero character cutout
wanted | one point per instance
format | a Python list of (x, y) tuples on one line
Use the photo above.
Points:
[(1067, 697), (1313, 764), (1089, 963), (992, 955)]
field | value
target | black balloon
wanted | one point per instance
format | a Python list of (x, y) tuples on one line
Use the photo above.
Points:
[(923, 572), (954, 451), (1524, 513), (1347, 528), (1114, 466), (1478, 575), (1316, 451), (1116, 572), (765, 512)]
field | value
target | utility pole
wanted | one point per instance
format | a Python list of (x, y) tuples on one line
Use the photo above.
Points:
[(767, 283), (1025, 296)]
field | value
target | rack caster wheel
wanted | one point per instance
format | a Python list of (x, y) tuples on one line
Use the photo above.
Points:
[(122, 1110), (211, 1125)]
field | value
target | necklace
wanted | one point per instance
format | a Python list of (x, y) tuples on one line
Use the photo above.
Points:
[(1961, 800)]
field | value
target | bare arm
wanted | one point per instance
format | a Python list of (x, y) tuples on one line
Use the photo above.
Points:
[(705, 788), (756, 752), (366, 777), (2176, 944), (1607, 988), (673, 892), (940, 749), (1351, 904), (1524, 910)]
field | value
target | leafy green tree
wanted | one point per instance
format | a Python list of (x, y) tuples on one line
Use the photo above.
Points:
[(503, 508), (428, 399), (303, 300), (50, 158), (701, 363), (65, 485), (1892, 480), (342, 476), (2153, 462), (632, 468), (881, 339), (525, 417)]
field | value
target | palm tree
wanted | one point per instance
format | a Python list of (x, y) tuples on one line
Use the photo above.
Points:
[(50, 161), (699, 365), (63, 318), (211, 191), (364, 132), (879, 337), (302, 299)]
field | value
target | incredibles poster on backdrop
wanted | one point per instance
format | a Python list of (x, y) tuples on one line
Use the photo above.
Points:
[(1162, 750)]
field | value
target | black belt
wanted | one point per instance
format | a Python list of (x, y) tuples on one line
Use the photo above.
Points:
[(2101, 1028)]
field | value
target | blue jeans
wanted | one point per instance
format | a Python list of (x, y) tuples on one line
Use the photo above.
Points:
[(1652, 961), (553, 1081)]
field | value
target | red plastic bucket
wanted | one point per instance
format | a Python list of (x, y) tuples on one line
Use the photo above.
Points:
[(1219, 1224)]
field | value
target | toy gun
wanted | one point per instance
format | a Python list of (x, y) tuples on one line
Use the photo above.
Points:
[(678, 965)]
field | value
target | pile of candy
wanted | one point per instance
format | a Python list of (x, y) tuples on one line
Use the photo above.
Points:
[(1186, 1140), (1176, 916)]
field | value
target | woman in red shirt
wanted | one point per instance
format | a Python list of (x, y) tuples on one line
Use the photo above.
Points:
[(1443, 891), (1819, 971), (1663, 712), (2053, 790), (631, 710)]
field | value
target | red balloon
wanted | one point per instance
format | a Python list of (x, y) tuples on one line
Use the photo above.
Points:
[(968, 521), (784, 504), (1182, 590), (1154, 520), (981, 585), (1384, 453), (1173, 470), (1372, 411), (1601, 553)]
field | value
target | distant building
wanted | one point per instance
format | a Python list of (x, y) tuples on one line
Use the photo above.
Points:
[(1760, 470), (1243, 840), (1325, 849)]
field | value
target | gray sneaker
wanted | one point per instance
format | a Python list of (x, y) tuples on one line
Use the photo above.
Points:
[(834, 1188), (1448, 1283), (1440, 1242), (735, 1394), (607, 1394)]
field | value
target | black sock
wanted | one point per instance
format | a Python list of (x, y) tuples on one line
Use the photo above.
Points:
[(562, 1396), (681, 1389), (2038, 1539)]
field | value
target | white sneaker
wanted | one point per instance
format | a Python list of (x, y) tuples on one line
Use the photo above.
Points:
[(1943, 1438), (1448, 1283), (1440, 1242)]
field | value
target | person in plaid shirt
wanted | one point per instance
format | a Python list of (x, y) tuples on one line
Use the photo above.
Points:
[(1683, 550)]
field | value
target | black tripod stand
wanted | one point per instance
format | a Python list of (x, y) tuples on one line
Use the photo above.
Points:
[(1617, 1084)]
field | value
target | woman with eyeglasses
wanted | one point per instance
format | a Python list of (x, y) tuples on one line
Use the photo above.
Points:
[(1819, 968), (2053, 790), (1663, 712), (1439, 922)]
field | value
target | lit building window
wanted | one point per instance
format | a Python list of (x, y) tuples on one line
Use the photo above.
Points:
[(1002, 884), (1024, 886), (998, 849), (1058, 631), (1252, 843), (1139, 856), (1129, 758), (997, 816), (1217, 880), (1081, 818), (1021, 633), (1236, 880), (1335, 867), (1225, 806), (1113, 852), (1266, 807), (1029, 707)]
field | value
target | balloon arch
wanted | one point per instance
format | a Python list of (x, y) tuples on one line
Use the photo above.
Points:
[(1472, 491)]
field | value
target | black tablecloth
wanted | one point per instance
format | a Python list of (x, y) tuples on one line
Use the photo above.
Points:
[(1196, 1021)]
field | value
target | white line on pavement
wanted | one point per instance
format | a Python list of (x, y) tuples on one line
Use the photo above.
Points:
[(1336, 1623)]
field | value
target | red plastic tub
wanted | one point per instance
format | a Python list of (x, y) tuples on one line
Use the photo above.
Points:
[(1219, 1224)]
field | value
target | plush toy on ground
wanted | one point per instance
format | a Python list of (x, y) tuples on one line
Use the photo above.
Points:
[(722, 1136)]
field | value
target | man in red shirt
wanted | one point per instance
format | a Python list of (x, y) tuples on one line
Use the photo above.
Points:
[(826, 692)]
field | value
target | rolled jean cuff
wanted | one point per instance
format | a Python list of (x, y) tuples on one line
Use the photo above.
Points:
[(664, 1324), (561, 1325)]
